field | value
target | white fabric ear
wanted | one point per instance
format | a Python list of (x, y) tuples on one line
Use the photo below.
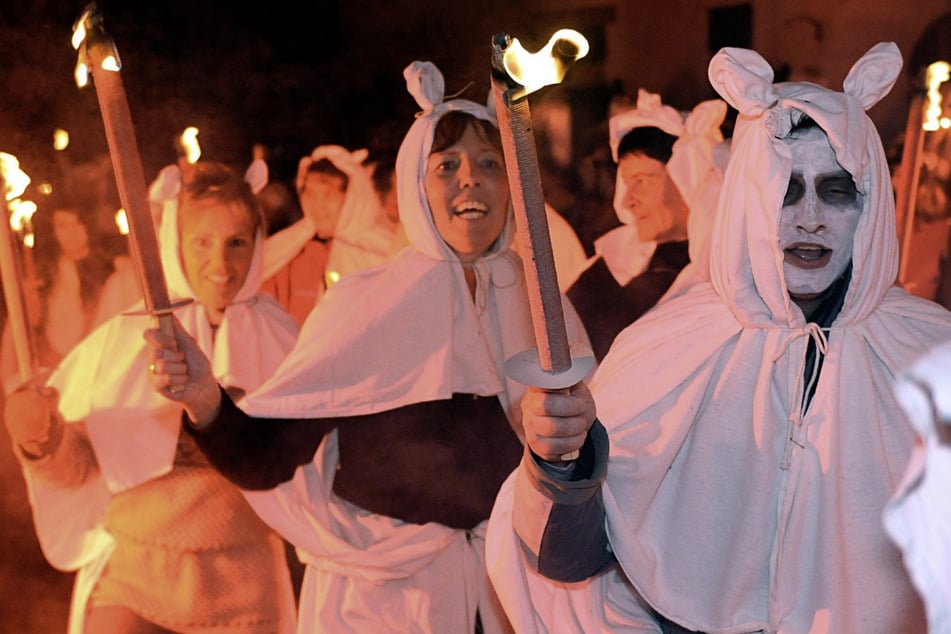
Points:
[(874, 74), (257, 175), (650, 112), (425, 83), (744, 79)]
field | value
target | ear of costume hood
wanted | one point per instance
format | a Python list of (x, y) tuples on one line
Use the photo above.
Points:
[(425, 83), (747, 266)]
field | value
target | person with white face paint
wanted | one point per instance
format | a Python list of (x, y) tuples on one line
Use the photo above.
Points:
[(747, 437), (391, 425)]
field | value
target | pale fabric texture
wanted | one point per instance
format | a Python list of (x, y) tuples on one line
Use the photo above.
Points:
[(691, 167), (134, 431), (405, 333), (728, 507), (363, 236), (918, 517)]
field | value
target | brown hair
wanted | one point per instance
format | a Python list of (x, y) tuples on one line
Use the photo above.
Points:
[(450, 128), (219, 182)]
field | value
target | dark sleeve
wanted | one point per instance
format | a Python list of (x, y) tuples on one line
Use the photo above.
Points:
[(559, 513), (257, 453)]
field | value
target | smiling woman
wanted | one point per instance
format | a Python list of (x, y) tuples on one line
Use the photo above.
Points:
[(466, 185), (161, 541)]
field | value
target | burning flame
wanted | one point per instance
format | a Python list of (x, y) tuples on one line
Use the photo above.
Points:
[(15, 183), (81, 39), (937, 74), (189, 143), (60, 139), (15, 180), (21, 213), (546, 67), (122, 221)]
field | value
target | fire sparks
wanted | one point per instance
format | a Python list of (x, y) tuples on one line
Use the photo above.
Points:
[(536, 70), (937, 74), (189, 144), (122, 221)]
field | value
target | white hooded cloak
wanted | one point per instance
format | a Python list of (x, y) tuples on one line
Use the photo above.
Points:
[(407, 332), (728, 507), (133, 429)]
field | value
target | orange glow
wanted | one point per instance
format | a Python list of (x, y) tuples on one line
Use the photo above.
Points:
[(546, 67), (122, 222), (937, 74)]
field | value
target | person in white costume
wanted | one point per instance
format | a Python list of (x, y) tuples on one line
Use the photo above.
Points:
[(391, 425), (748, 436), (918, 517), (162, 542), (666, 189)]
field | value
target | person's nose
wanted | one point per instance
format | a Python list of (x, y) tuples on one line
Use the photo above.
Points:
[(218, 259), (810, 215), (468, 174)]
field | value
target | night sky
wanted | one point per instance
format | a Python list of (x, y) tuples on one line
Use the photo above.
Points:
[(291, 75)]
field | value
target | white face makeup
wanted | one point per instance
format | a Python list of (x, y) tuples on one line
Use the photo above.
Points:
[(468, 194), (821, 210), (653, 199)]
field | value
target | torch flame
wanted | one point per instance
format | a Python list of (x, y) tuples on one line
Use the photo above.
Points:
[(60, 139), (15, 180), (189, 143), (21, 213), (546, 67), (122, 221), (88, 31), (937, 74)]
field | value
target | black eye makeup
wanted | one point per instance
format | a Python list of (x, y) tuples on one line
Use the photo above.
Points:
[(837, 189), (794, 191)]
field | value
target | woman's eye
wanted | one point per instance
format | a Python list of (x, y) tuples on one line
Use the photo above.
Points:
[(446, 165)]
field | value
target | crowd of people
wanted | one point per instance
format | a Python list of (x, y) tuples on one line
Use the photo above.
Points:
[(762, 447)]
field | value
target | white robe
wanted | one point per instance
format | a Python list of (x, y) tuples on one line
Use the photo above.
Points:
[(133, 429), (730, 509), (407, 332)]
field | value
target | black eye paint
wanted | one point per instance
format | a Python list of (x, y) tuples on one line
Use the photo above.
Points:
[(794, 191)]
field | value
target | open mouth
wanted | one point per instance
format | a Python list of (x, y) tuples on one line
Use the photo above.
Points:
[(807, 256), (470, 210)]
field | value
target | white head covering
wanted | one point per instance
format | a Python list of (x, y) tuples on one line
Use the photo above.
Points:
[(363, 236), (716, 470), (918, 517), (133, 429), (691, 161), (410, 332)]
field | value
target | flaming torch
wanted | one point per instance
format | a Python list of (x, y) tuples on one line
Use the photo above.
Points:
[(99, 58), (516, 73), (925, 115), (13, 182)]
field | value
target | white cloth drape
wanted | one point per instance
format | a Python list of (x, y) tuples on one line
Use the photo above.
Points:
[(406, 332), (728, 507), (133, 429)]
